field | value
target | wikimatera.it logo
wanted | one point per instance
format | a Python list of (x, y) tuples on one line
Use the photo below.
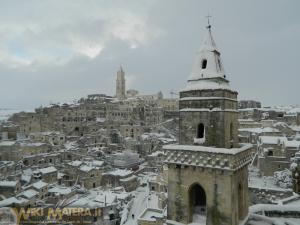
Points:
[(19, 216)]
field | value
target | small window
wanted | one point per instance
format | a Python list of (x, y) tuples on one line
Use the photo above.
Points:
[(270, 153), (204, 63), (200, 131), (111, 216)]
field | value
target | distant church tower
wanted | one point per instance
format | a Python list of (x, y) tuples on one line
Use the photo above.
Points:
[(207, 170), (120, 84)]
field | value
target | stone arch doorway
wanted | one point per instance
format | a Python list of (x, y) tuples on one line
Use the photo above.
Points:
[(197, 204)]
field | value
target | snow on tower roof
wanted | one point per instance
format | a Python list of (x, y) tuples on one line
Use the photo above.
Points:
[(208, 71), (205, 85), (208, 61), (209, 43)]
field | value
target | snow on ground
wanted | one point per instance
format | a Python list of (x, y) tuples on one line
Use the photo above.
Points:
[(198, 219), (289, 221), (262, 220), (257, 181), (294, 203), (143, 199), (138, 206)]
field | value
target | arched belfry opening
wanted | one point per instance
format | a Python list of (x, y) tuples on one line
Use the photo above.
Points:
[(197, 203), (204, 64), (200, 131)]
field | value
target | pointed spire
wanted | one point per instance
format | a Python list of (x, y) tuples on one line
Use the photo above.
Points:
[(208, 71), (209, 43), (208, 62)]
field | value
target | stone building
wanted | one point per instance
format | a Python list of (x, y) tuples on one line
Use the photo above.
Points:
[(41, 187), (120, 85), (246, 104), (132, 130), (9, 131), (47, 174), (251, 135), (10, 151), (88, 174), (9, 188), (104, 202), (125, 160), (119, 177), (207, 170), (42, 160), (275, 153), (6, 168), (52, 137)]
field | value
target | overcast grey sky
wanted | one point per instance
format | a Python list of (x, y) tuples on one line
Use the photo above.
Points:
[(60, 50)]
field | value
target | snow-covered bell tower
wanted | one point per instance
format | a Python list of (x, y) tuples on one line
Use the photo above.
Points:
[(208, 106), (208, 176)]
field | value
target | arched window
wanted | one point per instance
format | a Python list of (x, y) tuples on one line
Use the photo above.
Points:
[(200, 130), (204, 63)]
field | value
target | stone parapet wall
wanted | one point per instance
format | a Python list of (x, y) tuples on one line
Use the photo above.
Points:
[(224, 159)]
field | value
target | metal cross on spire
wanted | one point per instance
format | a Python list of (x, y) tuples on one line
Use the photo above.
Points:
[(208, 23)]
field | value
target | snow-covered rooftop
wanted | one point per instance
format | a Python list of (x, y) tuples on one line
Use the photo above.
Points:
[(119, 172), (28, 193), (6, 183), (39, 185), (272, 140), (75, 163), (231, 151), (260, 130), (95, 199), (12, 200), (50, 169), (59, 190), (86, 168)]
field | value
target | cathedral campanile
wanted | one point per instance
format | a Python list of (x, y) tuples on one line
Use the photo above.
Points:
[(207, 170), (120, 84)]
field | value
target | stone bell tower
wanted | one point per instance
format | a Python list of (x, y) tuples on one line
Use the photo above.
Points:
[(120, 84), (208, 106), (208, 175)]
